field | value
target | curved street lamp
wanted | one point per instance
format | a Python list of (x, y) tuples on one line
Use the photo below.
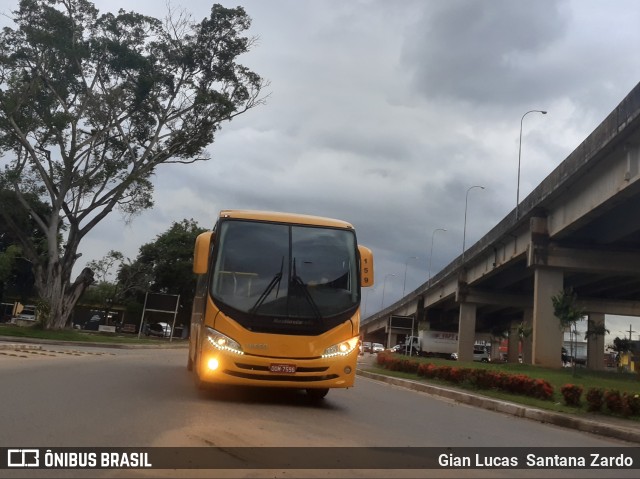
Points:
[(406, 266), (431, 251), (384, 286), (466, 204), (519, 156)]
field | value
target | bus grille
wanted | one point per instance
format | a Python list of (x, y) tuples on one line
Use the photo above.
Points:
[(281, 377)]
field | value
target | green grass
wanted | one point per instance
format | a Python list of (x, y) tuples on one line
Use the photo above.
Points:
[(623, 382), (75, 335)]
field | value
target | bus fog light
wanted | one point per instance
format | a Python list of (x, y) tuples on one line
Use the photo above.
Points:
[(347, 370), (213, 364)]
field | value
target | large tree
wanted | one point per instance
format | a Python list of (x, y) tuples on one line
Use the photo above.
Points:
[(91, 104)]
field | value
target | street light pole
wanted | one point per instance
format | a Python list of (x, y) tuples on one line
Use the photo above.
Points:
[(366, 298), (406, 266), (384, 286), (431, 251), (466, 204), (519, 156)]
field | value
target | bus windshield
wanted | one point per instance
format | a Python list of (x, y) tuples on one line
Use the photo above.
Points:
[(277, 277)]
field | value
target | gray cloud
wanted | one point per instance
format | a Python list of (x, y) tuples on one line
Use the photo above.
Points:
[(484, 51)]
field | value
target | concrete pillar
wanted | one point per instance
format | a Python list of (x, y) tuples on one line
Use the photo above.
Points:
[(527, 341), (547, 335), (466, 331), (514, 342), (595, 344)]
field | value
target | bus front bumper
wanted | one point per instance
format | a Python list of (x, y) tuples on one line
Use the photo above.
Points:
[(219, 367)]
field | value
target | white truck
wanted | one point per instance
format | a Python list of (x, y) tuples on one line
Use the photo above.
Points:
[(429, 343), (441, 344)]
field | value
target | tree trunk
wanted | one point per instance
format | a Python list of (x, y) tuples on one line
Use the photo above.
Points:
[(62, 296)]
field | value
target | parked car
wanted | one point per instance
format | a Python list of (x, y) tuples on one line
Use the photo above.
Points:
[(366, 347), (159, 329), (377, 348), (28, 313), (93, 323), (481, 355), (478, 355)]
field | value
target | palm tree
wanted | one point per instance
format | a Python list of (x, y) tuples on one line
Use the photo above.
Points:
[(565, 309)]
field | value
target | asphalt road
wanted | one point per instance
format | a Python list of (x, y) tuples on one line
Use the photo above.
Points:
[(87, 397)]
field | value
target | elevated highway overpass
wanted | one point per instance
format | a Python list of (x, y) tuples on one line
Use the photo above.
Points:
[(579, 229)]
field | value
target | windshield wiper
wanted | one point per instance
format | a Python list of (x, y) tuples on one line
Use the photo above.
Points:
[(300, 285), (267, 291)]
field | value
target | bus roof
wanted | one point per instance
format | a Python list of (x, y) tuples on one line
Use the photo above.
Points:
[(285, 218)]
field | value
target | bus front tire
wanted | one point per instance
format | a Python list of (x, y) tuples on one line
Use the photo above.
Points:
[(316, 394)]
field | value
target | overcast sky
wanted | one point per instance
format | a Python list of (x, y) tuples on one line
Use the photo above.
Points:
[(383, 113)]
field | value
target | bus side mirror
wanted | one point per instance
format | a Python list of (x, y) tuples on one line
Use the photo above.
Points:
[(201, 252), (366, 266)]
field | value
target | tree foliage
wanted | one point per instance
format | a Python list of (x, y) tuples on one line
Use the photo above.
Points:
[(595, 329), (7, 261), (91, 104), (16, 277), (565, 309), (621, 345), (169, 260)]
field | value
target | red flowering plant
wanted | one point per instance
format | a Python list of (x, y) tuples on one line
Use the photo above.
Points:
[(426, 370), (634, 403), (595, 399), (409, 366), (571, 394), (613, 400), (542, 389), (630, 404)]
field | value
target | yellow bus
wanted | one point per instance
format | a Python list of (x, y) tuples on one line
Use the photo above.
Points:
[(277, 302)]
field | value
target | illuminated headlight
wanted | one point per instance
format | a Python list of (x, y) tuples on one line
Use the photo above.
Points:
[(222, 342), (341, 349)]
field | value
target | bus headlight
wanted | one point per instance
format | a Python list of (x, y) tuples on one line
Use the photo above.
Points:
[(341, 349), (222, 342)]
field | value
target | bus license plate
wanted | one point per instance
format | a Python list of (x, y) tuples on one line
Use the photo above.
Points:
[(282, 368)]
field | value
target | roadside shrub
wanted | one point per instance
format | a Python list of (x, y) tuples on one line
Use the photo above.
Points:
[(394, 364), (479, 378), (383, 358), (426, 370), (409, 366), (542, 389), (571, 394), (634, 403), (456, 375), (443, 372), (595, 399), (613, 400), (630, 404), (482, 378)]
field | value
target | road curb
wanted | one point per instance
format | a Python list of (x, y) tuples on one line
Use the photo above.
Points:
[(24, 341), (563, 420)]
